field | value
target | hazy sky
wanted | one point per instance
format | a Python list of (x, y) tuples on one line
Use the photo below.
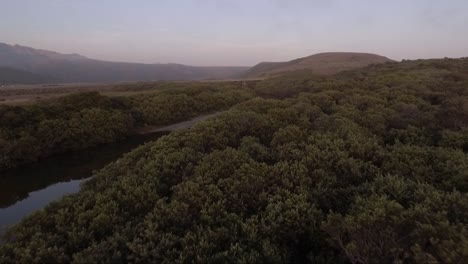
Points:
[(236, 32)]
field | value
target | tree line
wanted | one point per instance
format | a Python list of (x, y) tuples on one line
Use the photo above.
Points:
[(32, 132)]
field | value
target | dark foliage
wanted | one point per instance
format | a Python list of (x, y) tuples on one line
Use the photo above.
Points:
[(82, 120), (364, 167)]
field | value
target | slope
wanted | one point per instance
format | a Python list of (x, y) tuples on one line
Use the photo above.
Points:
[(10, 75), (322, 63), (76, 68)]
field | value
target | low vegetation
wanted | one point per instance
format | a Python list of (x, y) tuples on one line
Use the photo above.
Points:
[(369, 166), (82, 120)]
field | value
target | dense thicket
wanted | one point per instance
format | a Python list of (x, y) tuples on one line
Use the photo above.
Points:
[(365, 167), (78, 121)]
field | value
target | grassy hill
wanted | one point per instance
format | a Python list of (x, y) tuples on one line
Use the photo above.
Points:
[(322, 63)]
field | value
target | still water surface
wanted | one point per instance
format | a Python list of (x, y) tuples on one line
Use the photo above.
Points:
[(33, 186)]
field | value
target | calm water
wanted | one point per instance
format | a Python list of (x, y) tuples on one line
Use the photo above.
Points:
[(33, 186)]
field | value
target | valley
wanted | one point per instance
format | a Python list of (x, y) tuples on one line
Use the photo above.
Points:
[(299, 166), (324, 132)]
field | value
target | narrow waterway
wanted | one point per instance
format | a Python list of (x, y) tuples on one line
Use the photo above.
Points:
[(33, 186)]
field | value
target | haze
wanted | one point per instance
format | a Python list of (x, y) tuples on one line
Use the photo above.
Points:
[(221, 32)]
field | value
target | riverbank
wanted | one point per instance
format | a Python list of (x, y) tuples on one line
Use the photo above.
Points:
[(78, 121), (176, 126), (29, 188)]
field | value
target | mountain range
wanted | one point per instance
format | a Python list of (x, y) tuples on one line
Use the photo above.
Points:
[(70, 68), (20, 64)]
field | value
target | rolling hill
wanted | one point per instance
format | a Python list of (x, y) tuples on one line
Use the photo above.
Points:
[(75, 68), (70, 68), (322, 63)]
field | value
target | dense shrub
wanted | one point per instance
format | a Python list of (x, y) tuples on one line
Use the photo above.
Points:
[(370, 168), (78, 121)]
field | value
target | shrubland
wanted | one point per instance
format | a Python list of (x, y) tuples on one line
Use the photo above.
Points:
[(77, 121), (368, 166)]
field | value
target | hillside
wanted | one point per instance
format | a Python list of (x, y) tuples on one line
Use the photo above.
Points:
[(75, 68), (10, 75), (322, 63)]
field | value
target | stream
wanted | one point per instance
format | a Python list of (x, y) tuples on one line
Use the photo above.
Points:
[(31, 187)]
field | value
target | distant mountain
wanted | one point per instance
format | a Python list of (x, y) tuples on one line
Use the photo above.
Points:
[(10, 75), (322, 63), (69, 68)]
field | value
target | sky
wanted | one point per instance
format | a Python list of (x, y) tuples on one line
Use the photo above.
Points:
[(236, 32)]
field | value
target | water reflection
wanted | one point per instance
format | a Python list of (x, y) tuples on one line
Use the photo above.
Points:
[(36, 200), (33, 186)]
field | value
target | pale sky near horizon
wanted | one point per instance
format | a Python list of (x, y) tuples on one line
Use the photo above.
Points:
[(236, 32)]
